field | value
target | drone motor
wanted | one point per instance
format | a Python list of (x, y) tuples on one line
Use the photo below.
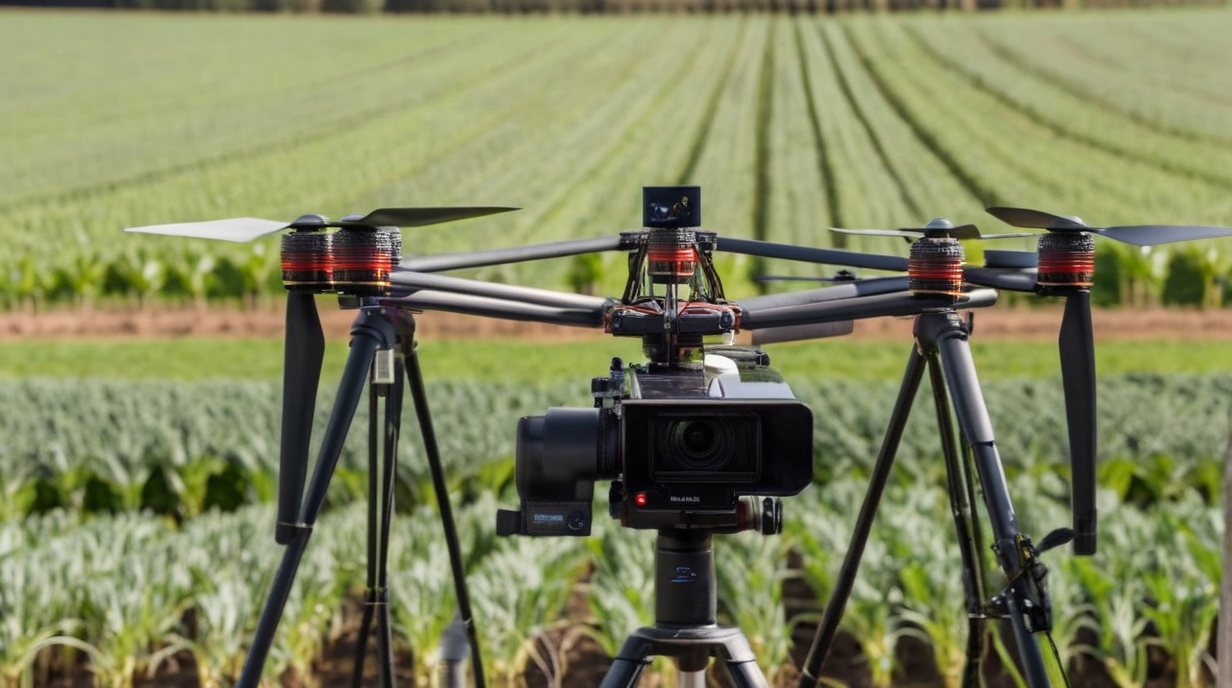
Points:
[(363, 259), (935, 266), (354, 260), (1066, 260), (307, 261)]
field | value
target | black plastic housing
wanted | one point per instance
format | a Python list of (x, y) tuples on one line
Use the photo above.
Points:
[(748, 447)]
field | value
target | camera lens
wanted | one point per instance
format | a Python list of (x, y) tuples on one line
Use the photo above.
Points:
[(701, 444), (698, 438)]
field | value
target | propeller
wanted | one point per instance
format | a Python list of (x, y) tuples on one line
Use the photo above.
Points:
[(303, 352), (840, 276), (935, 228), (1138, 235), (241, 229)]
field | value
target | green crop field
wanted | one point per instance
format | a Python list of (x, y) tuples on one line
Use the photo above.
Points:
[(790, 125), (515, 361), (137, 477)]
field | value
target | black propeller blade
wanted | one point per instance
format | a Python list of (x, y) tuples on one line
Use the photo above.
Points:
[(1138, 235), (937, 227), (1077, 345), (421, 217), (303, 352)]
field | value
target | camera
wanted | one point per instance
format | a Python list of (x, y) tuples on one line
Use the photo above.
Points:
[(707, 446)]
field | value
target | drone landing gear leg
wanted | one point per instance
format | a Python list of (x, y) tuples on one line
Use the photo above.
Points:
[(369, 333), (685, 628), (944, 336), (941, 343), (961, 491)]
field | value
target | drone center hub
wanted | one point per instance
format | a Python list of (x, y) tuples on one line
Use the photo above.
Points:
[(935, 266), (1066, 261)]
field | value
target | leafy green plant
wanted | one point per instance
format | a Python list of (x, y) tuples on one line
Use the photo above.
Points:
[(749, 572), (518, 592)]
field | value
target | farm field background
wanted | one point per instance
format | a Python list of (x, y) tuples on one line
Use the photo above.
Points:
[(136, 522), (789, 124)]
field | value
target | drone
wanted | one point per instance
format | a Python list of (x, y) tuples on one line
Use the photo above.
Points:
[(704, 437)]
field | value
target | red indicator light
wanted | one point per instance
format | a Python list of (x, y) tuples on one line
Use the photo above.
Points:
[(640, 499)]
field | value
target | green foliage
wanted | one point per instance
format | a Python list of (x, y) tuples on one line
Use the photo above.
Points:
[(1190, 280), (1110, 267)]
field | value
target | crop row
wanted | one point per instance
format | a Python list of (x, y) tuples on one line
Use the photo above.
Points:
[(181, 448), (128, 591), (791, 124)]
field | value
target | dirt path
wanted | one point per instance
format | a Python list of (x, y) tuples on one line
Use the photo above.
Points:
[(266, 320)]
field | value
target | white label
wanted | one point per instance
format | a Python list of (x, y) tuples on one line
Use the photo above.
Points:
[(383, 367)]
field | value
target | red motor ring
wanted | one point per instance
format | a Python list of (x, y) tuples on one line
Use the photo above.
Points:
[(935, 266), (307, 261), (679, 264), (362, 261), (671, 255), (1066, 260)]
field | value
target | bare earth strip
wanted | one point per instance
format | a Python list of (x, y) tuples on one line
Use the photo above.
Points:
[(266, 320)]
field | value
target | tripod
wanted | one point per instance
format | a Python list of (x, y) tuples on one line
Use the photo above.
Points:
[(941, 346), (685, 628), (383, 343)]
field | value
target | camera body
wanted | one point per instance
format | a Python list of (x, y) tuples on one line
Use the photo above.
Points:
[(684, 447)]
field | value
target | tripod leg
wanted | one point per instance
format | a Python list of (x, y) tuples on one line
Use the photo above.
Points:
[(365, 624), (833, 614), (632, 659), (959, 487), (364, 343), (747, 675), (959, 369), (393, 428), (415, 379)]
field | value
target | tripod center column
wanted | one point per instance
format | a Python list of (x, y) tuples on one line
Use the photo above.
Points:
[(684, 579)]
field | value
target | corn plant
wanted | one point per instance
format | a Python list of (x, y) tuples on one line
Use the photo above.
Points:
[(423, 599), (230, 577), (28, 613), (1183, 589), (819, 526), (1115, 601), (934, 602), (136, 611), (623, 585), (749, 572), (518, 592)]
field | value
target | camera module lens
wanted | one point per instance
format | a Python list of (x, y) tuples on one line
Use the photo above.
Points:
[(698, 438), (700, 444)]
